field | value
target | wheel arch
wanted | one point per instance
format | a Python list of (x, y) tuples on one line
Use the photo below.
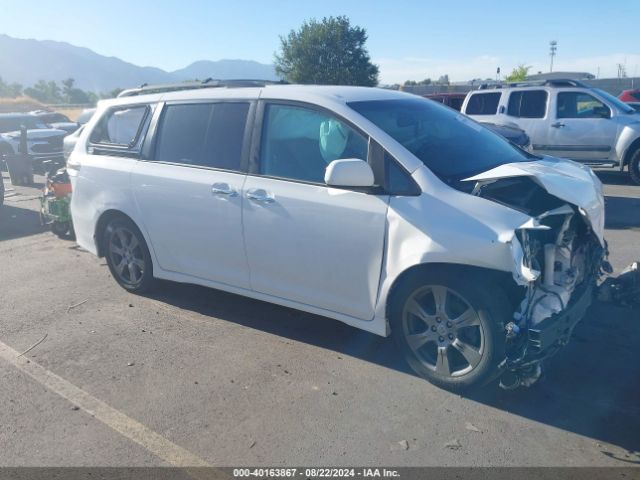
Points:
[(102, 223), (633, 148), (500, 278)]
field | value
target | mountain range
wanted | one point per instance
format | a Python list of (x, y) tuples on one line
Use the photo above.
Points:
[(26, 61)]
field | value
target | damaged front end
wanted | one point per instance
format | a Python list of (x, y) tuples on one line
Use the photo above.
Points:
[(558, 255)]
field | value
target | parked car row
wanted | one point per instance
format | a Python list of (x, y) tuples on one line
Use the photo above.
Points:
[(46, 132), (564, 118), (43, 142), (511, 132), (630, 96)]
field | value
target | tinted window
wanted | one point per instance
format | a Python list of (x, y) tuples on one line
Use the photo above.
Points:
[(299, 143), (456, 103), (450, 144), (203, 134), (529, 104), (398, 181), (226, 134), (183, 133), (483, 104), (120, 126), (580, 105)]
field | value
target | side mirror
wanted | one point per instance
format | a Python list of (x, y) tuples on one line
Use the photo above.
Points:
[(350, 172)]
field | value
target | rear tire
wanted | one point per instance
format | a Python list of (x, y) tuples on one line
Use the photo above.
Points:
[(449, 326), (127, 255), (634, 167), (60, 229)]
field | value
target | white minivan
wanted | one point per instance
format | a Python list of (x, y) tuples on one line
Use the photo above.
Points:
[(383, 210)]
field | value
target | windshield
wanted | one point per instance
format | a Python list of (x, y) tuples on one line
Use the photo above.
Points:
[(451, 145), (619, 104)]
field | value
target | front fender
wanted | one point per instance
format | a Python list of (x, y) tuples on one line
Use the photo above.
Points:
[(452, 228), (628, 141)]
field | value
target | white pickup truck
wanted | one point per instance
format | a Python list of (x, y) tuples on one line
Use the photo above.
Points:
[(565, 118)]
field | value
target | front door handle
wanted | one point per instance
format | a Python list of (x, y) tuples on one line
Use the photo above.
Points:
[(557, 125), (260, 195), (223, 189)]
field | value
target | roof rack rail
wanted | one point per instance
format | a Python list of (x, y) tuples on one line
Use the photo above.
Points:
[(207, 83), (555, 82)]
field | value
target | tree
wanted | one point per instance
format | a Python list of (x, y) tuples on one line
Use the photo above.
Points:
[(46, 92), (329, 52), (67, 89), (443, 80), (111, 93), (413, 83), (10, 90), (518, 74), (15, 89)]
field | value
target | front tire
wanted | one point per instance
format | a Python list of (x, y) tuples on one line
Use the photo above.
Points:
[(450, 327), (634, 167), (127, 255)]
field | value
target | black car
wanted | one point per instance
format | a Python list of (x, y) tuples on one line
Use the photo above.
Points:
[(56, 120), (513, 134)]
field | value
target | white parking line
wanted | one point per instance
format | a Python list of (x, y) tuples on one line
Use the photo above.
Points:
[(118, 421)]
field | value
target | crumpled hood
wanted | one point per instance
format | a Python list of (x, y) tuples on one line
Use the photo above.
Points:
[(569, 181)]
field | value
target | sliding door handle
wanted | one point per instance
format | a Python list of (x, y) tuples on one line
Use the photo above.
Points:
[(259, 195), (223, 189)]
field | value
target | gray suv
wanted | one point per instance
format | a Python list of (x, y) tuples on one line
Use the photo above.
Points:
[(565, 118)]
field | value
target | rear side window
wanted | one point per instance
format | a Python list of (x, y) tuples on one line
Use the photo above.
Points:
[(120, 126), (483, 104), (203, 134), (529, 104)]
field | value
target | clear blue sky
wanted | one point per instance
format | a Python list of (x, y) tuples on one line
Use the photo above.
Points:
[(409, 39)]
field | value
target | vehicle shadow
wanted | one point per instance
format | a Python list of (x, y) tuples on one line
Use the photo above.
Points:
[(622, 212), (614, 177), (18, 222), (282, 321), (592, 387)]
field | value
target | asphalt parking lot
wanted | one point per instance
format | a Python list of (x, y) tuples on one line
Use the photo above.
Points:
[(192, 376)]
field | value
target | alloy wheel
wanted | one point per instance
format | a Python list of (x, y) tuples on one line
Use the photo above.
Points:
[(126, 255), (443, 331)]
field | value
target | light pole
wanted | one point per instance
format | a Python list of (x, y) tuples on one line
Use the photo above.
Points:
[(553, 47)]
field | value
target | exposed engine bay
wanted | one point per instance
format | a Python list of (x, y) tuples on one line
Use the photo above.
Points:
[(559, 260)]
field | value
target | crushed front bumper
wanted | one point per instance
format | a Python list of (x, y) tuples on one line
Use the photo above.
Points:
[(555, 331)]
